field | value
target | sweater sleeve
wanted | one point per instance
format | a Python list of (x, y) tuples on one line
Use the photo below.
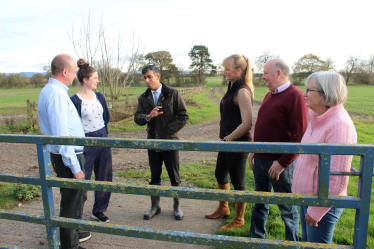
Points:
[(106, 113), (339, 132), (243, 99), (77, 103), (298, 122)]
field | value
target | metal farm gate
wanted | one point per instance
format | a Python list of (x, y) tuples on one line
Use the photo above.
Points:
[(361, 203)]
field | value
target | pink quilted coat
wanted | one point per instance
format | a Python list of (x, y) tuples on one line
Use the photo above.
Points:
[(336, 127)]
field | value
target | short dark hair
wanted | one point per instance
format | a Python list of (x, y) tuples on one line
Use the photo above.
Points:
[(148, 68)]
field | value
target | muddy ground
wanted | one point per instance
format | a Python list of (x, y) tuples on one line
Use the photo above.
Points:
[(123, 209)]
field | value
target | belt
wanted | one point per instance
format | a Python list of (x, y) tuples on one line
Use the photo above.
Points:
[(77, 152)]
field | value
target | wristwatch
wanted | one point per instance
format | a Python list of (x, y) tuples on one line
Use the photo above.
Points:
[(224, 139)]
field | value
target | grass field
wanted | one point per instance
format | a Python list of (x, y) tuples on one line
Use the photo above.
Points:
[(200, 109), (13, 101), (202, 174), (359, 105)]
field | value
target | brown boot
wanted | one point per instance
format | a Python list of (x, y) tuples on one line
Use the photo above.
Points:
[(223, 208), (238, 220)]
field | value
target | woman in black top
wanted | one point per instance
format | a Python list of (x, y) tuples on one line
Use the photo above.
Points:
[(235, 125)]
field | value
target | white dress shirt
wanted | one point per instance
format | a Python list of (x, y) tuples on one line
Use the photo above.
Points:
[(58, 117)]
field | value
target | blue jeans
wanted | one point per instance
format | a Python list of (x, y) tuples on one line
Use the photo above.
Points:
[(326, 226), (260, 212)]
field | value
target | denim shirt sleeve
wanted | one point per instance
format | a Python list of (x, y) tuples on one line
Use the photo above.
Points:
[(58, 110)]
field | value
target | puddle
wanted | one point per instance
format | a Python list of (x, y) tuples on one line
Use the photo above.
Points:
[(14, 116)]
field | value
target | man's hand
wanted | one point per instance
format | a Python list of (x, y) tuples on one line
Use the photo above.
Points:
[(154, 113), (310, 221), (251, 163), (79, 175), (275, 170)]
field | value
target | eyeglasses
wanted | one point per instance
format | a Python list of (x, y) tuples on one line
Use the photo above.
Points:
[(309, 90)]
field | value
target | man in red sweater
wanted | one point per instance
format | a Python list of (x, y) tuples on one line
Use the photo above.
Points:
[(282, 117)]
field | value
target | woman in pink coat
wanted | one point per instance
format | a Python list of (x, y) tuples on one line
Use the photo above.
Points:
[(325, 94)]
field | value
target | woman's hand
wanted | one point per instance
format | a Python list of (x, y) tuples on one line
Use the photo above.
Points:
[(310, 221)]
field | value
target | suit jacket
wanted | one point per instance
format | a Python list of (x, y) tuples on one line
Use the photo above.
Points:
[(166, 125)]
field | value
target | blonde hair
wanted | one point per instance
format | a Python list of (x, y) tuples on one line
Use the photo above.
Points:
[(237, 61), (331, 85)]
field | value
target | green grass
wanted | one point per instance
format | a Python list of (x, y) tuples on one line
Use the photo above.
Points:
[(199, 174), (214, 81), (359, 103), (7, 196), (203, 110), (207, 110), (13, 101), (275, 226), (217, 95), (11, 194), (344, 230)]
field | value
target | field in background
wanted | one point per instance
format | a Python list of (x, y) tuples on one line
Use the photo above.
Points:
[(360, 106), (13, 101)]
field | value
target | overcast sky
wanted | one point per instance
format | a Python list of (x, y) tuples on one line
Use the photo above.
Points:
[(33, 32)]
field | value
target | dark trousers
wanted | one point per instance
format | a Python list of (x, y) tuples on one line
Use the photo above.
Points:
[(260, 211), (233, 164), (99, 159), (171, 160), (72, 201)]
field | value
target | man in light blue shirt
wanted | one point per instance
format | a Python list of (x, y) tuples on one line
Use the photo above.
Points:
[(58, 117)]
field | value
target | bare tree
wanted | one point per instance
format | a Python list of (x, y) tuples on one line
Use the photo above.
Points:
[(263, 58), (107, 55), (351, 66), (370, 64), (330, 64)]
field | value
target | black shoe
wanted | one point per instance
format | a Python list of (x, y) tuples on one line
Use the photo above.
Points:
[(155, 208), (100, 216), (83, 236)]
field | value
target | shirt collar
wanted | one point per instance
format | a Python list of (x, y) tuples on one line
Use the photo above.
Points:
[(282, 87), (58, 83), (158, 91)]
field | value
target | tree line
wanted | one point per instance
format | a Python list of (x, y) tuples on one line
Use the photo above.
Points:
[(355, 71), (114, 78)]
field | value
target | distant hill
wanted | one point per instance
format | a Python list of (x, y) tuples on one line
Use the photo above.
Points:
[(28, 74)]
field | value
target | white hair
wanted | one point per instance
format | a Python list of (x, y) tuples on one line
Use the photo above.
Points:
[(331, 85)]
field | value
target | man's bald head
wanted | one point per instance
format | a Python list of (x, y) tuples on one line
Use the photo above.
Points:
[(279, 64), (60, 62), (276, 73)]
